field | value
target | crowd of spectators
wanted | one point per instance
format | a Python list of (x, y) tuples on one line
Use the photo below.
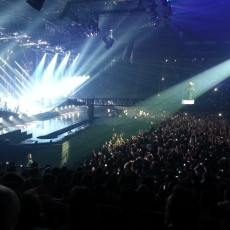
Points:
[(217, 98), (178, 172)]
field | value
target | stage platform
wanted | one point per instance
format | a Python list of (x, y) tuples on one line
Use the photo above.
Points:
[(53, 130), (188, 102), (46, 127)]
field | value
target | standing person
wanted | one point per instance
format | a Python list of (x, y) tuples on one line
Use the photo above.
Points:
[(30, 161), (50, 103), (182, 210), (190, 90), (10, 208)]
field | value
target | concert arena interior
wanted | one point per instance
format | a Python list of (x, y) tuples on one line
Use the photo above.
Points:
[(118, 87)]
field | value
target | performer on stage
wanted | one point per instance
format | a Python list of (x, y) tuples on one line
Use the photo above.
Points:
[(190, 90), (50, 103), (5, 106), (30, 161), (42, 102), (17, 108)]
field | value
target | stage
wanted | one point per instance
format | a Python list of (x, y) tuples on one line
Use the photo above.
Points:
[(58, 124), (54, 125), (41, 129)]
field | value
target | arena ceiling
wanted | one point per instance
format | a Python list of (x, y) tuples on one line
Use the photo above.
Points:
[(68, 24)]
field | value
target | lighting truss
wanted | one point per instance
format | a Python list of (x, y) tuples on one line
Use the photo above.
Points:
[(122, 102), (121, 12), (110, 2)]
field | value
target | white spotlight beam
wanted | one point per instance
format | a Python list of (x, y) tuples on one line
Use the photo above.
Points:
[(48, 72), (28, 76), (9, 81), (39, 69), (23, 79), (59, 72), (22, 86), (71, 69), (13, 70), (20, 89), (203, 82), (5, 81)]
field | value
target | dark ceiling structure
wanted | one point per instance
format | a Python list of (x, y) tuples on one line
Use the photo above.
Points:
[(46, 24), (64, 25)]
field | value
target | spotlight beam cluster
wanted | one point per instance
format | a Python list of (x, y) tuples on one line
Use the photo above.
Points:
[(48, 86)]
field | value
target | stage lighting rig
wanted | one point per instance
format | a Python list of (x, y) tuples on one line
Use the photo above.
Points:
[(128, 53), (19, 38), (108, 2), (108, 39), (153, 13), (36, 4), (40, 44), (60, 49), (167, 12)]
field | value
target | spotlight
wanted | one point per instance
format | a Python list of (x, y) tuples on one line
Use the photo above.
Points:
[(108, 41), (127, 56), (36, 4)]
